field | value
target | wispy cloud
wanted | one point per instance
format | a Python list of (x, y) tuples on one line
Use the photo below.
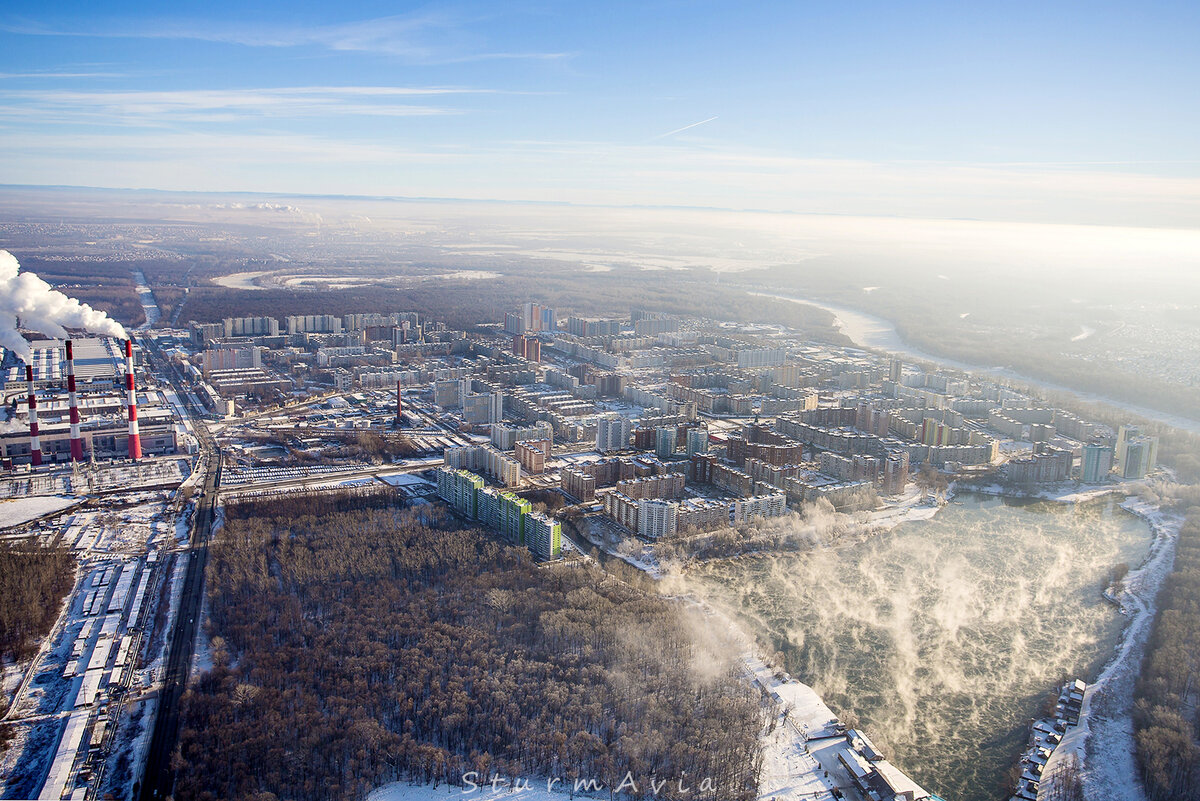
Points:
[(427, 37), (136, 107), (20, 75)]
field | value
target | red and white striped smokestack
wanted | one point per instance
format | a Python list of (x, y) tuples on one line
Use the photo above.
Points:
[(73, 402), (135, 439), (35, 441)]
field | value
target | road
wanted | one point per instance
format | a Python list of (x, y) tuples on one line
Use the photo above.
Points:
[(146, 298), (159, 779)]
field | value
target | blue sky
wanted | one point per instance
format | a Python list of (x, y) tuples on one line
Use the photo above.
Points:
[(1059, 112)]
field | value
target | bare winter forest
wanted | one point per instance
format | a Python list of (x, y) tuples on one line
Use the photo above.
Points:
[(33, 582), (1166, 717), (355, 647)]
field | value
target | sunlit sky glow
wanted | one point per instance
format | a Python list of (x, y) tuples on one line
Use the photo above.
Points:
[(1050, 112)]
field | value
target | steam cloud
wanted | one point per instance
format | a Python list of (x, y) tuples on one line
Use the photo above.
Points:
[(42, 308), (938, 635)]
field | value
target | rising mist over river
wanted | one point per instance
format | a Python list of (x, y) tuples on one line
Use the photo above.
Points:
[(942, 636)]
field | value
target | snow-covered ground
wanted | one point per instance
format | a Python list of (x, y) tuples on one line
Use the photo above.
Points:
[(404, 479), (14, 511), (202, 660), (909, 506), (789, 771), (1103, 741)]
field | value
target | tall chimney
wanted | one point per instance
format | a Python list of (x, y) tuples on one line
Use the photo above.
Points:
[(398, 407), (35, 441), (135, 439), (73, 401)]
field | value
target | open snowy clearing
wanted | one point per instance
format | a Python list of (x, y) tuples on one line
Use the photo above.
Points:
[(15, 511)]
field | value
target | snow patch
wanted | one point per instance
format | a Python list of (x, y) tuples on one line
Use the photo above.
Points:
[(15, 511)]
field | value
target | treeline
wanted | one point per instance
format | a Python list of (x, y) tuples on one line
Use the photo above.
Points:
[(355, 648), (81, 272), (33, 581), (313, 503), (167, 298), (1166, 720)]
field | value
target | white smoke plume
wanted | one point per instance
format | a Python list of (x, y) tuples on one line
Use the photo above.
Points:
[(42, 308)]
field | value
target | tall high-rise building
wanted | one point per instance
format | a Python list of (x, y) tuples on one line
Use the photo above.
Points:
[(458, 488), (697, 441), (1139, 457), (531, 317), (248, 357), (511, 516), (482, 407), (1123, 434), (895, 371), (514, 324), (544, 535), (612, 433), (487, 501), (657, 519), (532, 454), (1097, 463), (527, 347), (665, 440), (1136, 454), (447, 392), (895, 472), (589, 327)]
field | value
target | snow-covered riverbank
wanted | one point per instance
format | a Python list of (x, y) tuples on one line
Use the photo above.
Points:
[(1103, 741)]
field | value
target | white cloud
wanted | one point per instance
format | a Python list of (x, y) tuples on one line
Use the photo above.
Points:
[(426, 37), (150, 107), (22, 75)]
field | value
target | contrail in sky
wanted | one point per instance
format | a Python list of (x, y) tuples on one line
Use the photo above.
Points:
[(680, 130)]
